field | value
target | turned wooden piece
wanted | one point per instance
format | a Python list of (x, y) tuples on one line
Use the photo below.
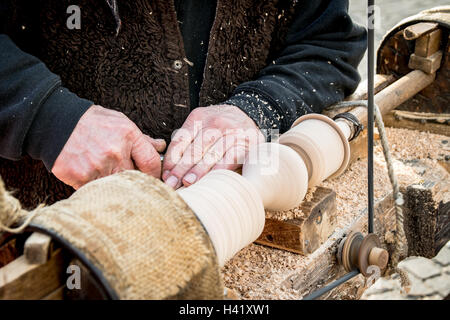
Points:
[(231, 206), (279, 175), (274, 176), (230, 209), (321, 143)]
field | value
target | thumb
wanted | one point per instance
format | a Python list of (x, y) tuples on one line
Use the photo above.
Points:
[(146, 157)]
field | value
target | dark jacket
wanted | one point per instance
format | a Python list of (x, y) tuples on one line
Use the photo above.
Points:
[(275, 59)]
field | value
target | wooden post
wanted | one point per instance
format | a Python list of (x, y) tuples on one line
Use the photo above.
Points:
[(397, 93)]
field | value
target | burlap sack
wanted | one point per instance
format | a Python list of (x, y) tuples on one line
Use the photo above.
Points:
[(142, 240)]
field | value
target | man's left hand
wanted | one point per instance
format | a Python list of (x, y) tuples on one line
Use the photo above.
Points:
[(214, 137)]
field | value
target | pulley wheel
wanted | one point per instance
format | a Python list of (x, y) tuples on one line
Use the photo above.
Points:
[(349, 249), (368, 243)]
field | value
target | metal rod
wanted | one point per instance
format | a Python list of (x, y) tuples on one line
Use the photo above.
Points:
[(370, 111), (331, 286), (370, 123)]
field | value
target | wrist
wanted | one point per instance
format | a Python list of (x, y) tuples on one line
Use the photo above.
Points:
[(53, 125)]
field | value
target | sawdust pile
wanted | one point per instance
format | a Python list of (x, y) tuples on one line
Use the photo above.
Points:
[(258, 272)]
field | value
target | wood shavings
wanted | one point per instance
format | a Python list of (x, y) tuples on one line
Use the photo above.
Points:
[(408, 144), (293, 213)]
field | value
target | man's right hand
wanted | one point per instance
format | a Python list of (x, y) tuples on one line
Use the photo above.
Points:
[(105, 142)]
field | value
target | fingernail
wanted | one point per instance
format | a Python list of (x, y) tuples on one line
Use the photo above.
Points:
[(172, 181), (190, 178), (165, 175)]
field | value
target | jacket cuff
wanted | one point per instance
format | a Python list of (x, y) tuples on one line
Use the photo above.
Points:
[(259, 108), (53, 125)]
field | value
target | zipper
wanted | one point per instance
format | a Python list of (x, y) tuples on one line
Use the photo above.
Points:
[(211, 32), (183, 53)]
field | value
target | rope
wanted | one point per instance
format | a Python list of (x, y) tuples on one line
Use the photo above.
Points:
[(399, 234), (11, 211)]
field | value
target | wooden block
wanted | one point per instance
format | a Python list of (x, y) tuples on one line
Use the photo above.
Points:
[(37, 248), (24, 281), (428, 65), (428, 44), (419, 29), (303, 235)]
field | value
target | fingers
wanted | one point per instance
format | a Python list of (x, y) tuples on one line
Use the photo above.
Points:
[(146, 157), (193, 154), (181, 140), (233, 158), (210, 158), (190, 155)]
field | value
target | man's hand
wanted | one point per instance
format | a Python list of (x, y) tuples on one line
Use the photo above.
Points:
[(214, 137), (105, 142)]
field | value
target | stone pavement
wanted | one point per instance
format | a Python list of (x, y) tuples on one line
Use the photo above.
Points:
[(430, 280)]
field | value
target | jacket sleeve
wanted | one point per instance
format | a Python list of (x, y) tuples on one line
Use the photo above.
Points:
[(37, 114), (316, 68)]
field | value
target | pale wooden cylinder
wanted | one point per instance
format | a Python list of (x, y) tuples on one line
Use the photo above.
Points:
[(229, 208), (279, 175), (321, 143)]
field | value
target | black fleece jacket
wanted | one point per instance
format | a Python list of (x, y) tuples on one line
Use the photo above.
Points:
[(317, 68)]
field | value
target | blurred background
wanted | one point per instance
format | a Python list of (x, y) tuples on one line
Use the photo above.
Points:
[(391, 12)]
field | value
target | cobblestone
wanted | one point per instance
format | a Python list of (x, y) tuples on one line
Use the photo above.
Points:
[(420, 288), (430, 280), (422, 268), (441, 284), (392, 295), (443, 258)]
